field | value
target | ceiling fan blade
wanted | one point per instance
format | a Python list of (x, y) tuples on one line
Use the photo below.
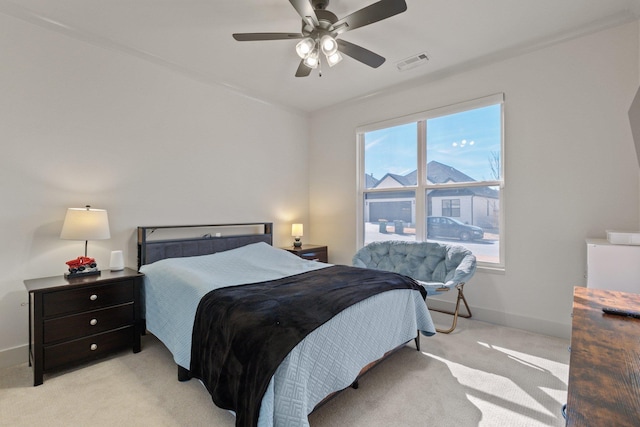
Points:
[(306, 12), (360, 54), (247, 37), (370, 14), (303, 70)]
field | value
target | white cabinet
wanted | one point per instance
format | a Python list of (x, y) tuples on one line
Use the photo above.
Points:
[(613, 267)]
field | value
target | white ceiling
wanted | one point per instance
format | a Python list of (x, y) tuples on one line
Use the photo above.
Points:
[(194, 37)]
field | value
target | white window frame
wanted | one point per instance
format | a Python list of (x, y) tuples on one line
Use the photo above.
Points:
[(421, 187)]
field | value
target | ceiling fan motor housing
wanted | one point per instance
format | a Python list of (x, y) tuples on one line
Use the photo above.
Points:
[(319, 4), (326, 20)]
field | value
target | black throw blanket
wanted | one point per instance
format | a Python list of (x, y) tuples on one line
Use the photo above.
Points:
[(242, 333)]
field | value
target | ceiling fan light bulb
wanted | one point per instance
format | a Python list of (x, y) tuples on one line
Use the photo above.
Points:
[(334, 59), (311, 62), (305, 47), (312, 59), (328, 44)]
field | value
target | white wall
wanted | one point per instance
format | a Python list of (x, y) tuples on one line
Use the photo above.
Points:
[(80, 124), (571, 169)]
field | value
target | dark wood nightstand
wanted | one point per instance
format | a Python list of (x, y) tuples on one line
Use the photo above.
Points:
[(80, 319), (310, 252)]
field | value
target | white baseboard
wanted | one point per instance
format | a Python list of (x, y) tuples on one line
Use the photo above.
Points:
[(531, 324), (14, 356)]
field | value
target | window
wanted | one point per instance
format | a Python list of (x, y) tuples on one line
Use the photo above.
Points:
[(451, 207), (436, 175)]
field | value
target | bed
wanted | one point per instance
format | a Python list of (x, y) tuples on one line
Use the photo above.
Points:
[(212, 259)]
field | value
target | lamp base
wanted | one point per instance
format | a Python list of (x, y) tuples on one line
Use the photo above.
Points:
[(81, 274), (297, 243)]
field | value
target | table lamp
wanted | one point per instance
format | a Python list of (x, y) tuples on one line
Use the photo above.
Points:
[(84, 224), (296, 231)]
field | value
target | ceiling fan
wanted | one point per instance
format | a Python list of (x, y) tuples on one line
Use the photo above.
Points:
[(320, 29)]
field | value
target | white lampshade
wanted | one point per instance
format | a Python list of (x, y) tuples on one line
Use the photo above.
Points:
[(328, 45), (312, 59), (296, 230), (304, 47), (334, 59), (85, 224)]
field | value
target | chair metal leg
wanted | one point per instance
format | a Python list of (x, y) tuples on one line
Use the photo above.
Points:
[(456, 313)]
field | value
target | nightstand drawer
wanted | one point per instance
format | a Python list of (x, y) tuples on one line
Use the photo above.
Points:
[(87, 348), (315, 255), (87, 298), (88, 323)]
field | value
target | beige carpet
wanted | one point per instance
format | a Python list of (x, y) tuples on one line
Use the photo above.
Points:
[(480, 375)]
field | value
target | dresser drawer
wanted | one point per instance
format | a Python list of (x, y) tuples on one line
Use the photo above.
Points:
[(87, 298), (87, 348), (88, 323)]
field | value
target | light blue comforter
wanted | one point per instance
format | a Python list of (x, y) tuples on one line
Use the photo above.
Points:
[(329, 359)]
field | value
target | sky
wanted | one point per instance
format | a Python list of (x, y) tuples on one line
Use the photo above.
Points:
[(465, 140)]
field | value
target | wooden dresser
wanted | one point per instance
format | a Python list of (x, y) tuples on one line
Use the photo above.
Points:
[(80, 319), (604, 369)]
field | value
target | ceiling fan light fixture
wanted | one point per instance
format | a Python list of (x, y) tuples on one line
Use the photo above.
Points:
[(334, 59), (312, 60), (320, 27), (329, 45), (305, 47)]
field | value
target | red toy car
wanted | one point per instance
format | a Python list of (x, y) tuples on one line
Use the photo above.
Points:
[(82, 264)]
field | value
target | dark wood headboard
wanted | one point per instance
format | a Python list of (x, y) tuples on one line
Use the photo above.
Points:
[(200, 239)]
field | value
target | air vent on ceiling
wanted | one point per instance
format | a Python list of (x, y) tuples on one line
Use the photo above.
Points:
[(412, 61)]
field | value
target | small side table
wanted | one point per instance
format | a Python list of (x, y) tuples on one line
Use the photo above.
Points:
[(84, 318), (310, 252)]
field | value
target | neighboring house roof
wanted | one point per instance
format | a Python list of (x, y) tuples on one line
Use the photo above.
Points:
[(370, 181), (412, 177), (402, 180), (437, 173)]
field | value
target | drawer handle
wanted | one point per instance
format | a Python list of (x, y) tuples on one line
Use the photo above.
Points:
[(93, 297), (93, 322), (94, 347)]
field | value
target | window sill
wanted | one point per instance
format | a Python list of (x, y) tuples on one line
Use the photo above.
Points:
[(491, 269)]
